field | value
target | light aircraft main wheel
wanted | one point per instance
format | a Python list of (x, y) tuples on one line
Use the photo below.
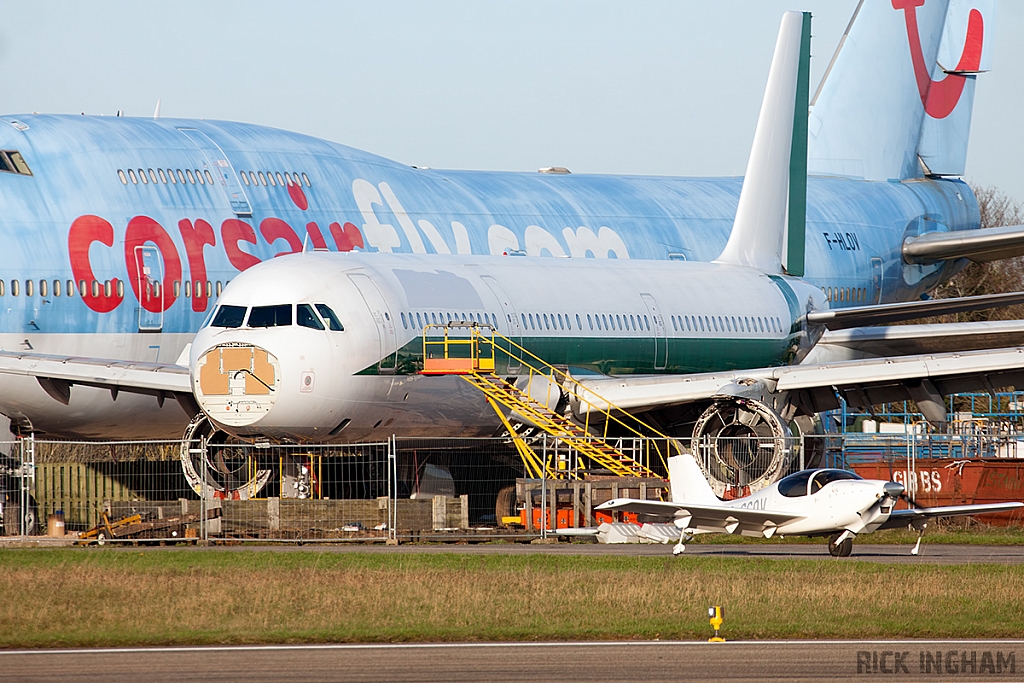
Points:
[(841, 550), (230, 470), (741, 443)]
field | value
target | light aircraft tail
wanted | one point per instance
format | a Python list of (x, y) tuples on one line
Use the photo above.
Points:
[(688, 482), (895, 102)]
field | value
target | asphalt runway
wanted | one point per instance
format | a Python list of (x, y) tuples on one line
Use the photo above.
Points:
[(912, 660), (887, 554)]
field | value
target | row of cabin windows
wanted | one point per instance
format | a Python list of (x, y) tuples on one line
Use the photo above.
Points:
[(193, 177), (106, 288), (727, 323), (274, 179), (418, 322), (168, 177), (846, 294)]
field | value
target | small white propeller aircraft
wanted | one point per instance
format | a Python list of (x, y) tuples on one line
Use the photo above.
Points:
[(826, 502)]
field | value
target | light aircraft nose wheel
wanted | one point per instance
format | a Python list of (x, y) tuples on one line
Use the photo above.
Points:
[(839, 550), (230, 470), (742, 443)]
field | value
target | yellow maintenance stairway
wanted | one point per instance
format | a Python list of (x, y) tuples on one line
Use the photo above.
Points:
[(534, 395)]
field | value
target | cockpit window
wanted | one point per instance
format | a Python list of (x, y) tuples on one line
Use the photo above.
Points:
[(823, 477), (271, 316), (229, 316), (332, 320), (305, 317), (795, 485)]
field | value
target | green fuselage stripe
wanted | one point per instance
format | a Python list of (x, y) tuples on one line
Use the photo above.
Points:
[(623, 355)]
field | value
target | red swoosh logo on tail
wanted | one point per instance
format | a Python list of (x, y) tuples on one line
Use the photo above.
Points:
[(941, 97)]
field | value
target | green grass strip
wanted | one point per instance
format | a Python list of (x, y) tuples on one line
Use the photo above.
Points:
[(107, 597)]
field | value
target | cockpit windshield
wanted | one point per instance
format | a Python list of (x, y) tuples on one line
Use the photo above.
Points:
[(330, 318), (822, 477), (229, 316), (271, 316), (811, 481), (795, 485), (305, 317)]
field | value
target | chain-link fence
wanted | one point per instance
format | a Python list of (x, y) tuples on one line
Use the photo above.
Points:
[(427, 488)]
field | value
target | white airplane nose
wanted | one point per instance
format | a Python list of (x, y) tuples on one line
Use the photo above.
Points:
[(236, 383)]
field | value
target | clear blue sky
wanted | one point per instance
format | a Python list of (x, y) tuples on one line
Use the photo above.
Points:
[(630, 87)]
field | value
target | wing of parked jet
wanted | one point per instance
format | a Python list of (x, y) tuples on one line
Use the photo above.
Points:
[(903, 518), (58, 374), (981, 245), (815, 388), (840, 318), (903, 340), (704, 516)]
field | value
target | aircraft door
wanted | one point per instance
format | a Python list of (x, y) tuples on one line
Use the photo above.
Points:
[(515, 330), (221, 169), (150, 272), (382, 317), (658, 327), (876, 281)]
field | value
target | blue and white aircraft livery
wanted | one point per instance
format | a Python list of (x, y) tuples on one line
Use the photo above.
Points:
[(121, 236)]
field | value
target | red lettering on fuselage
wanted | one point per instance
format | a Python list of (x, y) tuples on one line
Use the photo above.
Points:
[(143, 229), (195, 238), (346, 237), (274, 229), (233, 231), (84, 231)]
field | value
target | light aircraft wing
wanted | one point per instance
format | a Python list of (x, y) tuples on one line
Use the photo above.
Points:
[(816, 387), (57, 374), (705, 516), (904, 340), (902, 518)]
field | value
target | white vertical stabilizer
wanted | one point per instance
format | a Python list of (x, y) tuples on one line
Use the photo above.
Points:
[(688, 482), (759, 229)]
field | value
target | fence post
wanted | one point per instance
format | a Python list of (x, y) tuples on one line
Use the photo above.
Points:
[(28, 479), (392, 538)]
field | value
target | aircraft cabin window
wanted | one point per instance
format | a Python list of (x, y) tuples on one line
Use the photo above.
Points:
[(14, 288), (822, 477), (188, 289), (56, 287), (229, 316), (618, 321), (152, 176), (176, 288), (191, 178), (590, 322), (131, 174), (332, 320), (70, 288), (199, 177), (280, 180), (245, 178), (1, 287), (209, 289), (120, 288), (107, 288), (597, 319), (546, 324), (270, 179), (263, 179), (271, 316), (795, 485), (305, 317), (95, 289), (579, 323), (305, 179), (181, 177), (143, 177), (163, 177), (419, 323), (122, 176), (604, 319), (220, 287), (404, 325), (209, 177), (29, 287), (170, 177), (675, 324)]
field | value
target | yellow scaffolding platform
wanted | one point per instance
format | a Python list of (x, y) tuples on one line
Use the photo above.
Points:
[(469, 350)]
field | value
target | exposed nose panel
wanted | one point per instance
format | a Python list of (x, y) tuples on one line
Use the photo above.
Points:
[(236, 384)]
